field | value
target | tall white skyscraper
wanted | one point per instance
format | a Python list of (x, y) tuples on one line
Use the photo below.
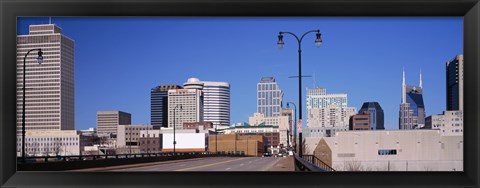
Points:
[(269, 97), (216, 103), (216, 100), (49, 96)]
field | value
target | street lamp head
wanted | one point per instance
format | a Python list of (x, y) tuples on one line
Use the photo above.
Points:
[(318, 41), (40, 57), (288, 105), (280, 42)]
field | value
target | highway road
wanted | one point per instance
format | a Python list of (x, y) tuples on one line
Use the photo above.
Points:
[(206, 164)]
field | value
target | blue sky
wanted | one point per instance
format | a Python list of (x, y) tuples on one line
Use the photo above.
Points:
[(119, 59)]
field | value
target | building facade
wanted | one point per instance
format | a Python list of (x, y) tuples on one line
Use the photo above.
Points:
[(391, 150), (250, 145), (186, 105), (318, 98), (49, 97), (107, 121), (272, 133), (360, 121), (282, 122), (129, 135), (216, 103), (150, 141), (159, 104), (412, 108), (454, 69), (327, 110), (269, 97), (376, 115), (450, 123), (52, 143)]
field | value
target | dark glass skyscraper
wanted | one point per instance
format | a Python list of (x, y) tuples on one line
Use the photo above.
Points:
[(455, 83), (376, 115), (159, 104)]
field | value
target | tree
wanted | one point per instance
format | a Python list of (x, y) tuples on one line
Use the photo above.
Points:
[(304, 147), (57, 147), (352, 166)]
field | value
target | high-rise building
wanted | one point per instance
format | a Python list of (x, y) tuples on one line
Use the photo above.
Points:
[(269, 97), (49, 96), (325, 110), (159, 104), (318, 98), (107, 121), (327, 113), (376, 115), (216, 100), (454, 69), (412, 108), (216, 103), (186, 105)]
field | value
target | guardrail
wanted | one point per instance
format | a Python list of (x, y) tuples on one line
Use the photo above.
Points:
[(311, 163), (46, 159), (58, 163)]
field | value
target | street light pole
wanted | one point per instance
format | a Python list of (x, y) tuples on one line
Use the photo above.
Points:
[(174, 125), (295, 125), (39, 60), (318, 42)]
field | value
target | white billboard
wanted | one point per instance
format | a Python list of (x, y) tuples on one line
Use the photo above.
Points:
[(184, 140)]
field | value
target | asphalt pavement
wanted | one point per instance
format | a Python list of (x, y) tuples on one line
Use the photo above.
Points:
[(207, 164)]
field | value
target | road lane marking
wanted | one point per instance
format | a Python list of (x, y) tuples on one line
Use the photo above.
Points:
[(228, 168), (195, 167)]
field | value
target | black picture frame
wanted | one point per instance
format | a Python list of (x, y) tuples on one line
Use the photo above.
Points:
[(9, 10)]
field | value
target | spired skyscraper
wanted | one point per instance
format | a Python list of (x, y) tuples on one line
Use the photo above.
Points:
[(412, 108), (49, 86), (269, 97)]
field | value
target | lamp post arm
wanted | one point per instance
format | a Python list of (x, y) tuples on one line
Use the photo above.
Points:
[(23, 102)]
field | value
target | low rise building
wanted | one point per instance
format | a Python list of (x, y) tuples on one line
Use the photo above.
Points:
[(272, 133), (450, 123), (283, 123), (52, 143), (391, 150), (250, 145), (360, 122), (198, 125), (150, 141), (128, 137)]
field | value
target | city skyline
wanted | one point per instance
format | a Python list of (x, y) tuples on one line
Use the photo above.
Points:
[(138, 73)]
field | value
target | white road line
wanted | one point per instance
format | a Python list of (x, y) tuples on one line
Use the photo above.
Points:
[(228, 168)]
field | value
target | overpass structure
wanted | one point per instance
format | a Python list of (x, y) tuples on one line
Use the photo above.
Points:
[(174, 162)]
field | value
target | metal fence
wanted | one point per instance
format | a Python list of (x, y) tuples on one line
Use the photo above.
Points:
[(47, 159), (311, 163)]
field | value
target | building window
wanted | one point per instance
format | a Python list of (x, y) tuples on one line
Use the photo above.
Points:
[(387, 152)]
